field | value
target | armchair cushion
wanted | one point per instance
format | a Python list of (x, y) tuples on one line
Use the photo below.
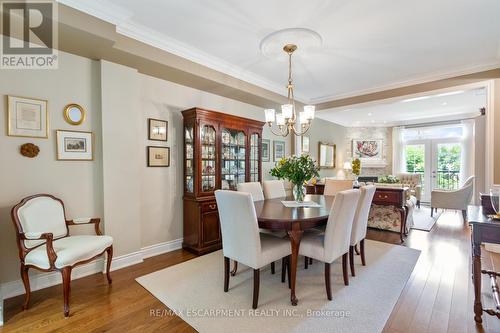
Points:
[(412, 180), (457, 199), (69, 250)]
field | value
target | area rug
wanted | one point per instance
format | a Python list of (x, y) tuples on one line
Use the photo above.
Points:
[(193, 290), (422, 219)]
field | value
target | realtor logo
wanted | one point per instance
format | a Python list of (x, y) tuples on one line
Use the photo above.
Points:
[(29, 35)]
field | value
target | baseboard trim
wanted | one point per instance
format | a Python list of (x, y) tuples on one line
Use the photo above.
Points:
[(40, 280)]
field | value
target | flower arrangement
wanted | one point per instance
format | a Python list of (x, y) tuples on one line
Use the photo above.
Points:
[(390, 179), (297, 170), (356, 166)]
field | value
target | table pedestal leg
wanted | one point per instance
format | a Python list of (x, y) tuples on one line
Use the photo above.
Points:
[(295, 235), (476, 276)]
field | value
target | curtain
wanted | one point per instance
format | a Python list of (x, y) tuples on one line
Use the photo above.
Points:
[(467, 157), (398, 156)]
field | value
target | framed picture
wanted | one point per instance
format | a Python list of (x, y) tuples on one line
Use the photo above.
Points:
[(279, 150), (367, 150), (27, 117), (158, 156), (266, 153), (74, 146), (305, 143), (158, 129)]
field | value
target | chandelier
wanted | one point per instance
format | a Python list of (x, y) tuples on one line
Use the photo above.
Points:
[(287, 121)]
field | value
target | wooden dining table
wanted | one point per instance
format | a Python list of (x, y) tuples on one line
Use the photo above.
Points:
[(273, 215)]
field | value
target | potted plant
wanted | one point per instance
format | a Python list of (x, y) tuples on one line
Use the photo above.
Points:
[(297, 170)]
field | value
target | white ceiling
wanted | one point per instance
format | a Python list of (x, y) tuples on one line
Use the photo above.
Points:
[(368, 45), (450, 105)]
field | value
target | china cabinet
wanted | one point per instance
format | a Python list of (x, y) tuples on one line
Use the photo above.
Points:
[(220, 151)]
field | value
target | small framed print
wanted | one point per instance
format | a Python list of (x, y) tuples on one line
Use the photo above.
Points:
[(305, 144), (27, 117), (266, 152), (158, 156), (279, 150), (74, 146), (158, 129)]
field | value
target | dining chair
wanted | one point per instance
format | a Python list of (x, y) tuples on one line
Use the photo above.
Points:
[(334, 186), (274, 189), (253, 188), (334, 243), (242, 241), (360, 224)]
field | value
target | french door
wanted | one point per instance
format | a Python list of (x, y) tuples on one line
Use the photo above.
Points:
[(437, 161)]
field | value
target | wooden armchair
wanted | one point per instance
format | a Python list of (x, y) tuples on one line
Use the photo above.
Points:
[(45, 244)]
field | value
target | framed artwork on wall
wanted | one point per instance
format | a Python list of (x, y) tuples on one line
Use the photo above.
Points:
[(367, 149), (74, 146), (157, 129), (305, 143), (158, 156), (266, 150), (279, 150), (27, 117)]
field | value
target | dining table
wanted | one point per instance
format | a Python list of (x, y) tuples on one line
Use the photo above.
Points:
[(273, 215)]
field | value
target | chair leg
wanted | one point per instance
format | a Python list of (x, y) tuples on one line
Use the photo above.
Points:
[(256, 284), (306, 262), (345, 259), (235, 268), (283, 269), (418, 204), (310, 261), (66, 277), (362, 247), (464, 215), (327, 282), (27, 288), (109, 255), (289, 271), (351, 260), (273, 268), (356, 249), (432, 211), (226, 274)]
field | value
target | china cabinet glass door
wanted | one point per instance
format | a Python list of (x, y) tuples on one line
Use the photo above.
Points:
[(189, 163), (254, 157), (233, 169), (208, 158)]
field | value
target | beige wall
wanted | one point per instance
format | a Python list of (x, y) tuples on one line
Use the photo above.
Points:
[(77, 182)]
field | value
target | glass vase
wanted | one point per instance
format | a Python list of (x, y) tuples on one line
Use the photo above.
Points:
[(299, 192)]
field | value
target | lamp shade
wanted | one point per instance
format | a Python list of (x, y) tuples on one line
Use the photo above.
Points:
[(280, 119), (303, 118), (269, 115), (309, 111), (287, 110), (347, 165)]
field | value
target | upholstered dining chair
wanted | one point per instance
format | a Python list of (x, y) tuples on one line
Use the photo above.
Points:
[(457, 199), (334, 186), (360, 224), (253, 188), (242, 241), (274, 189), (335, 242), (45, 244)]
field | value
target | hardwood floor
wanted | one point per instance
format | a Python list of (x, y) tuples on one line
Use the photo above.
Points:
[(438, 297)]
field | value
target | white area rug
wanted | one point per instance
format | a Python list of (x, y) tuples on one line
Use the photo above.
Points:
[(422, 219), (194, 290)]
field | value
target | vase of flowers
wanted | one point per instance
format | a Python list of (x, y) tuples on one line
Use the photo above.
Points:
[(297, 170), (356, 170)]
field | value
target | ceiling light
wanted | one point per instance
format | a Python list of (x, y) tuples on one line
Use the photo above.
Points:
[(370, 114), (451, 93), (287, 119), (415, 99), (444, 103)]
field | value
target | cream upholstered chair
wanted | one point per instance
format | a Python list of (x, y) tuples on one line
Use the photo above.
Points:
[(45, 244), (274, 189), (360, 224), (458, 199), (241, 239), (335, 242), (412, 180), (253, 188), (334, 186)]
